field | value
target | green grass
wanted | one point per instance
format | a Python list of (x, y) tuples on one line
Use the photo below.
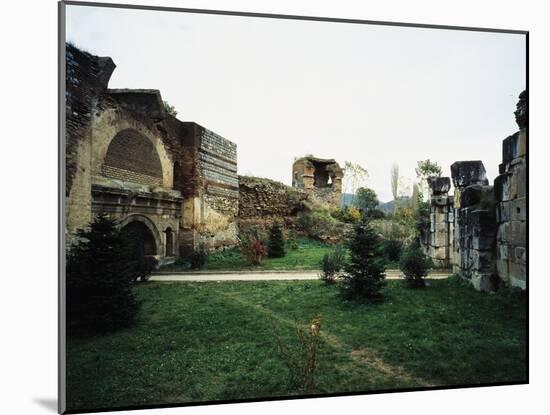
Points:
[(306, 257), (212, 341)]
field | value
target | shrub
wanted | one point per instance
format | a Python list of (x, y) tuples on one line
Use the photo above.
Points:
[(415, 266), (319, 224), (101, 271), (332, 264), (276, 244), (199, 257), (347, 214), (253, 248), (392, 249), (145, 268), (364, 275), (302, 360), (293, 244)]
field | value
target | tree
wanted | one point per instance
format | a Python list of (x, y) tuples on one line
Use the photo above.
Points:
[(415, 198), (170, 109), (354, 176), (427, 168), (101, 272), (276, 244), (364, 275), (394, 177), (415, 266), (366, 200)]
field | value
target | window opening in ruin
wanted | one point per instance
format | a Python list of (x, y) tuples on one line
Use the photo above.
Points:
[(321, 176), (169, 242)]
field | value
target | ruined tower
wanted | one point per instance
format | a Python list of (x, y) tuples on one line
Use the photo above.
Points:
[(321, 178)]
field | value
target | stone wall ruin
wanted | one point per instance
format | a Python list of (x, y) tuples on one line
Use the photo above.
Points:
[(321, 178), (482, 231), (173, 182)]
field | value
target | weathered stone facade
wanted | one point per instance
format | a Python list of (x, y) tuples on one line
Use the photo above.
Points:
[(441, 219), (474, 225), (488, 224), (263, 202), (511, 208), (128, 158), (321, 178)]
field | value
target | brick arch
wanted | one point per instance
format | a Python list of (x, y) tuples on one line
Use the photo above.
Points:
[(132, 157), (149, 224)]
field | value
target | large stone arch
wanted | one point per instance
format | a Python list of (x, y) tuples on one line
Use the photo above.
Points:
[(150, 225), (108, 125), (132, 157)]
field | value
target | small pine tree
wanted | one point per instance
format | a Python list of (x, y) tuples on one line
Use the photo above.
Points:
[(364, 275), (101, 271), (276, 244)]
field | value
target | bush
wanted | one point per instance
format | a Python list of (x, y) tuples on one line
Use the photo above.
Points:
[(302, 360), (145, 268), (101, 271), (319, 224), (276, 244), (347, 214), (364, 275), (199, 257), (253, 248), (415, 266), (392, 249), (331, 264)]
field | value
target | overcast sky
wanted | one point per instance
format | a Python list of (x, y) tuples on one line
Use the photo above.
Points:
[(369, 94)]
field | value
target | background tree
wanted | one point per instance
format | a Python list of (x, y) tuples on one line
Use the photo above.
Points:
[(364, 275), (101, 271), (427, 168), (394, 177), (354, 176), (276, 243), (366, 200)]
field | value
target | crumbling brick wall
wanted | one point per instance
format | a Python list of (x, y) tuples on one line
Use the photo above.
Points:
[(263, 202)]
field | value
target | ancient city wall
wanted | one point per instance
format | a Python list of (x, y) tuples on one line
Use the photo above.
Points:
[(263, 202), (511, 208), (485, 226), (220, 199), (128, 158)]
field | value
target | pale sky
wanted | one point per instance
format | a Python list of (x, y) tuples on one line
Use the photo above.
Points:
[(281, 89)]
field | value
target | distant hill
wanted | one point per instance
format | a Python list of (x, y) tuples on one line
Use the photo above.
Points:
[(388, 207)]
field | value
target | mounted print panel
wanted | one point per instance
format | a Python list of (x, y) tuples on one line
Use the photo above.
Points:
[(263, 207)]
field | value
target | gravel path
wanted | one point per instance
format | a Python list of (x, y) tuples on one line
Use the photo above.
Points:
[(262, 276)]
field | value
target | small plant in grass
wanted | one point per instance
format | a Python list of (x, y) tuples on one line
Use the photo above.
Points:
[(331, 264), (276, 244), (199, 257), (415, 266), (364, 275), (253, 248), (301, 359)]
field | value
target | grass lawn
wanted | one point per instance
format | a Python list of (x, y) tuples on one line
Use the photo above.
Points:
[(209, 341), (306, 256)]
